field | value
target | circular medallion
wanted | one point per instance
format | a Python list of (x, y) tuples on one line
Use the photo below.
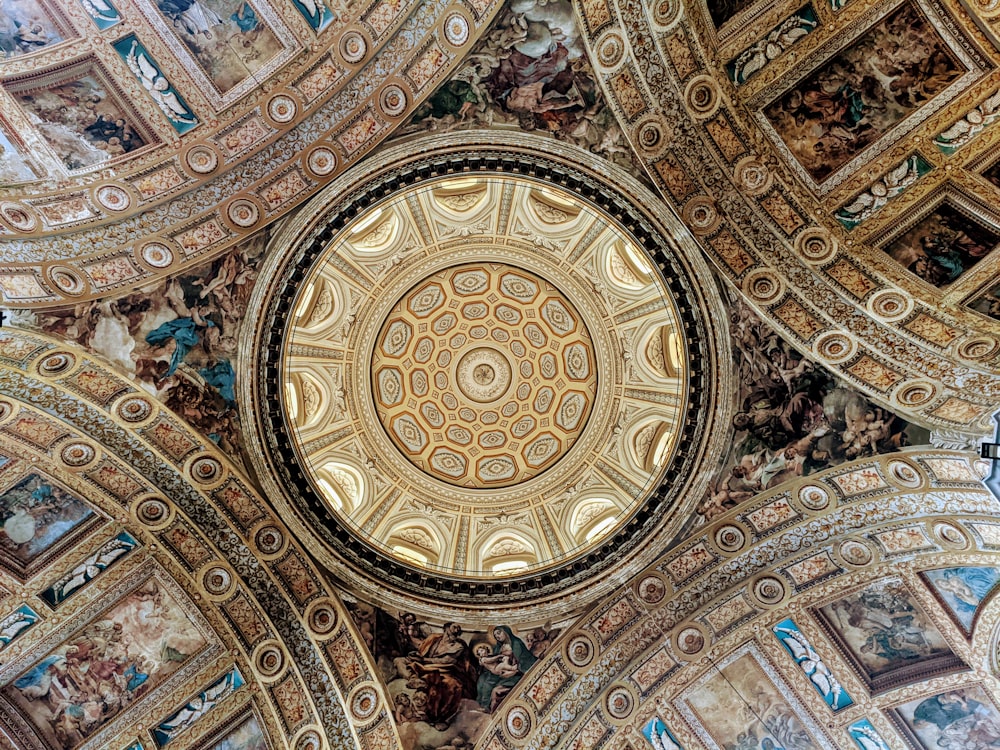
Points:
[(217, 581), (56, 364), (156, 255), (816, 246), (281, 108), (353, 47), (768, 590), (753, 176), (855, 553), (979, 347), (491, 336), (690, 641), (309, 740), (456, 29), (650, 136), (321, 161), (813, 497), (701, 215), (652, 589), (916, 392), (66, 280), (619, 702), (610, 49), (580, 651), (269, 540), (951, 535), (518, 722), (134, 409), (905, 474), (392, 100), (206, 469), (243, 213), (152, 511), (202, 159), (269, 660), (890, 305), (763, 286), (363, 703), (322, 618), (834, 347), (702, 96), (729, 538), (113, 197), (18, 216), (77, 454)]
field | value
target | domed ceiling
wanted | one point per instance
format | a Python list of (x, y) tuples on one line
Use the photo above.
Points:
[(536, 374)]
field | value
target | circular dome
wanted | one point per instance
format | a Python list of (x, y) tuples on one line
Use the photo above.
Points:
[(483, 375), (485, 385)]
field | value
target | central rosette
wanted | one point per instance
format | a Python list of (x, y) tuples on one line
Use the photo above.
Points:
[(483, 375)]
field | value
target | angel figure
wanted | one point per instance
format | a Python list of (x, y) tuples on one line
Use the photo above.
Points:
[(157, 86)]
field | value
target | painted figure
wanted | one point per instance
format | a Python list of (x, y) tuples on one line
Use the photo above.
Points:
[(504, 666)]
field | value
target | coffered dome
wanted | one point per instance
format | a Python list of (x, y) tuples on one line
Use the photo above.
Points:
[(483, 376)]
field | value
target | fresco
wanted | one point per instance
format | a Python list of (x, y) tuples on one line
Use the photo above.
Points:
[(316, 12), (445, 682), (659, 736), (247, 736), (866, 737), (37, 517), (14, 624), (962, 590), (741, 708), (102, 12), (723, 10), (812, 665), (82, 121), (943, 245), (988, 303), (963, 718), (793, 418), (177, 338), (122, 654), (160, 90), (13, 166), (227, 38), (25, 26), (207, 700), (91, 567), (529, 70), (852, 100), (888, 636)]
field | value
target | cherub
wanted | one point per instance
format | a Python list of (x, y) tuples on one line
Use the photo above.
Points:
[(501, 664)]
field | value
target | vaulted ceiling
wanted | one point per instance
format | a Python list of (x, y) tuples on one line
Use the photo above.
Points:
[(512, 374)]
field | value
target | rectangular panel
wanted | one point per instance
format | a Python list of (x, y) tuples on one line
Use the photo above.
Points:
[(887, 636)]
